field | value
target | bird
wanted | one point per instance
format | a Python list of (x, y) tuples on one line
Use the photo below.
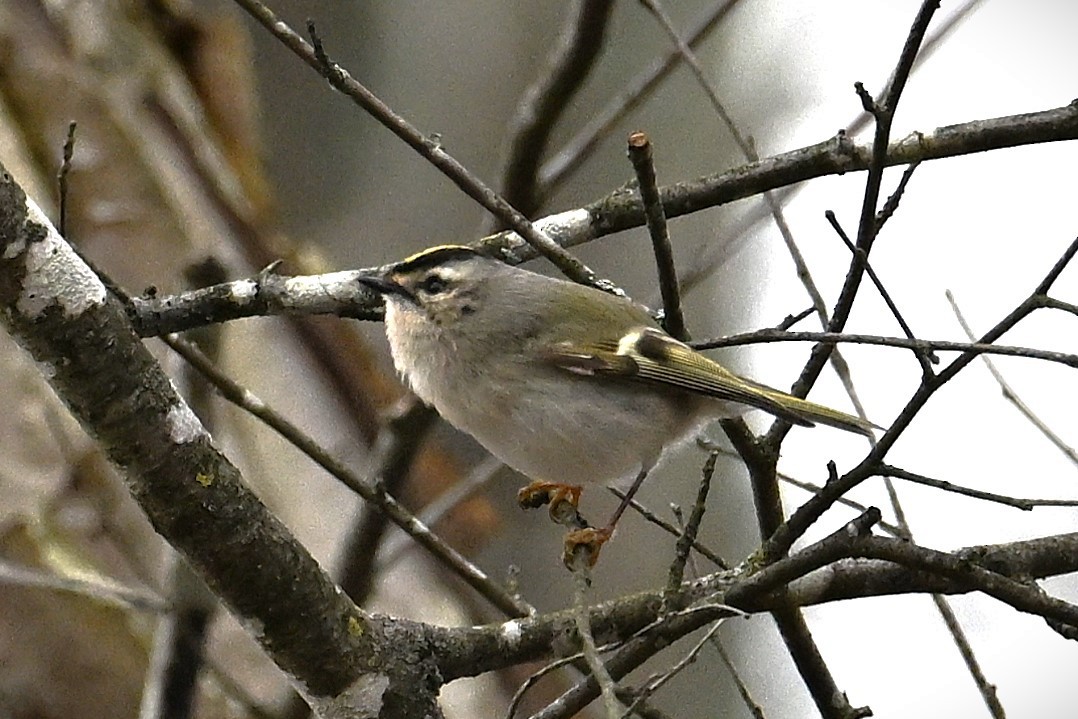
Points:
[(565, 383)]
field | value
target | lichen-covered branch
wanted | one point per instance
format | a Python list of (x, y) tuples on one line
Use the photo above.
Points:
[(61, 313)]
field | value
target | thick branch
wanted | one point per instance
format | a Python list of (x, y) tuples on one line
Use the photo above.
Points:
[(818, 574), (60, 312)]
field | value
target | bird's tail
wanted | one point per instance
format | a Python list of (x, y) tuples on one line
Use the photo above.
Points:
[(807, 414)]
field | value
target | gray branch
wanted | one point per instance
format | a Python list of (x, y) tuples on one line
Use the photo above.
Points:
[(337, 656), (338, 293)]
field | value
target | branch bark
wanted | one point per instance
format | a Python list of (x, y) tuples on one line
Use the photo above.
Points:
[(61, 313)]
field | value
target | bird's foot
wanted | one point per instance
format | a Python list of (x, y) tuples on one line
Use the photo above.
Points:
[(537, 494), (585, 544)]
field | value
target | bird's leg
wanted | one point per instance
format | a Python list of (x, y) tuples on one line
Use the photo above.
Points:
[(537, 494), (592, 539)]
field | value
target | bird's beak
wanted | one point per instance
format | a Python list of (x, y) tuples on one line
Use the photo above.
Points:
[(383, 285)]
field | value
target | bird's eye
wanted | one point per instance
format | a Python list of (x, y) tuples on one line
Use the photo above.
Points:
[(432, 285)]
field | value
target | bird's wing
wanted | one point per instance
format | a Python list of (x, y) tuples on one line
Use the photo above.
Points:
[(652, 357)]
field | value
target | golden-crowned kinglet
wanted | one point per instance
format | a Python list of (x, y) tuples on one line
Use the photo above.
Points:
[(560, 381)]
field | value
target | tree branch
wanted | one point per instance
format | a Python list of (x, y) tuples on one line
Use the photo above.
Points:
[(60, 312)]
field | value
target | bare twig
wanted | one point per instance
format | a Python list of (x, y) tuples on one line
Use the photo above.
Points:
[(1016, 502), (586, 141), (925, 357), (640, 156), (658, 521), (742, 688), (634, 653), (1011, 395), (973, 666), (976, 348), (429, 148), (656, 683), (371, 492), (533, 679), (62, 175), (791, 320), (607, 689), (891, 205), (688, 534), (883, 113), (806, 486)]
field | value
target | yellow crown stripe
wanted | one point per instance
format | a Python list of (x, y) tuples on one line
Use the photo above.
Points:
[(433, 256)]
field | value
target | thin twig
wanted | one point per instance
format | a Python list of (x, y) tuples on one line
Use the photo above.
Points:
[(586, 141), (742, 688), (1016, 502), (497, 595), (806, 486), (791, 320), (62, 175), (924, 357), (607, 689), (883, 113), (636, 651), (656, 683), (891, 205), (533, 679), (641, 158), (429, 148), (1010, 394), (976, 348), (658, 521), (688, 534), (986, 688), (1055, 304)]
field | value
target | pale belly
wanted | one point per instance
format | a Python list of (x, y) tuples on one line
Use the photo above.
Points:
[(573, 430)]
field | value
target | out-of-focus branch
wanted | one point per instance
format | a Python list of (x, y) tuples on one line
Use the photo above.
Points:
[(60, 312), (1011, 395), (569, 64), (586, 141), (429, 148)]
